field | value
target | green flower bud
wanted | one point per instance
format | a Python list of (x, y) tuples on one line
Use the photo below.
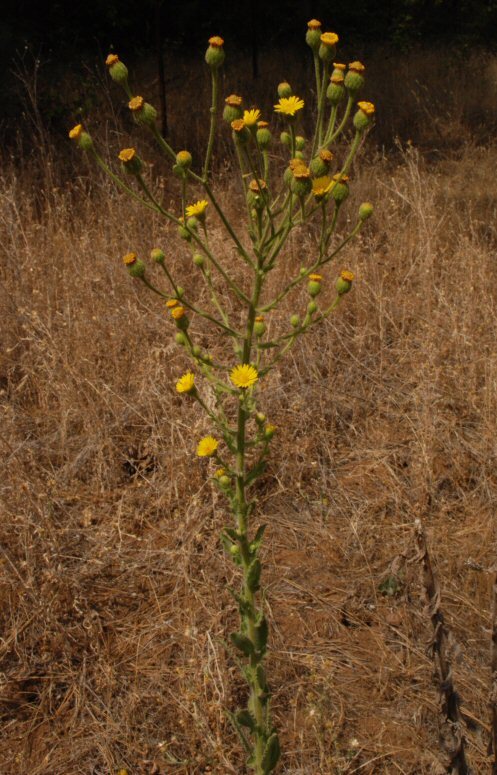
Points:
[(263, 135), (259, 326), (196, 350), (234, 548), (117, 70), (198, 260), (313, 34), (300, 186), (344, 282), (157, 255), (192, 223), (224, 481), (312, 307), (143, 112), (300, 143), (364, 115), (354, 80), (181, 339), (295, 321), (284, 89), (233, 108), (184, 233), (269, 431), (314, 288), (365, 211), (137, 268), (260, 418), (299, 155), (241, 133), (336, 89), (180, 292), (184, 159), (82, 138), (286, 139), (257, 194), (327, 46), (340, 190), (214, 56)]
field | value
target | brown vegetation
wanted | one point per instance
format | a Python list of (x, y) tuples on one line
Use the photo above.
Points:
[(113, 585)]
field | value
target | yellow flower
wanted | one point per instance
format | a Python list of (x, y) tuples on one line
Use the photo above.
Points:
[(301, 172), (251, 117), (178, 312), (314, 24), (321, 186), (339, 66), (326, 155), (111, 60), (219, 472), (127, 154), (170, 303), (289, 105), (316, 277), (347, 275), (196, 209), (244, 376), (216, 41), (76, 131), (238, 125), (357, 67), (129, 259), (329, 38), (207, 446), (257, 185), (234, 101), (367, 107), (337, 79), (136, 103), (186, 383), (262, 124)]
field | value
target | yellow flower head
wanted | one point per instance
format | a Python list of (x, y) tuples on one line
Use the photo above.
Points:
[(186, 383), (339, 66), (326, 155), (347, 275), (301, 172), (289, 105), (234, 101), (129, 259), (238, 125), (76, 131), (339, 178), (244, 376), (219, 472), (207, 446), (170, 303), (178, 312), (329, 38), (314, 24), (251, 117), (367, 107), (321, 186), (257, 185), (357, 67), (136, 103), (337, 79), (111, 60), (216, 41), (197, 209), (259, 319), (294, 163), (127, 154), (316, 277), (184, 157)]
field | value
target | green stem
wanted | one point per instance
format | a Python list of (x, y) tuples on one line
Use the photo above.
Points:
[(319, 123), (342, 123), (212, 130)]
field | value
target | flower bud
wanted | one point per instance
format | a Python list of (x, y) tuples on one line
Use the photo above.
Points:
[(131, 162), (192, 223), (295, 321), (257, 194), (214, 56), (365, 211), (312, 307), (313, 34), (300, 143), (157, 255), (241, 133), (224, 481), (180, 292), (364, 115), (183, 231), (269, 431), (344, 282), (198, 260), (234, 548), (327, 46), (354, 80), (263, 135), (260, 418), (285, 139), (117, 70), (314, 285), (233, 108), (143, 112), (259, 326), (179, 316), (134, 265), (82, 138), (196, 350), (301, 183), (184, 159), (336, 89), (284, 89), (181, 339), (321, 163), (340, 189)]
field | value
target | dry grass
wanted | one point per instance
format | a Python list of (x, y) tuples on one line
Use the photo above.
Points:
[(113, 590)]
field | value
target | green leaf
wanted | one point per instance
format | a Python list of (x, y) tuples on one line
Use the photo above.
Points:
[(261, 679), (239, 731), (256, 471), (242, 643), (271, 754), (245, 718), (254, 575), (261, 634), (257, 540)]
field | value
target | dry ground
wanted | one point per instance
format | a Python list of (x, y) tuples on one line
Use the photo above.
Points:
[(113, 586)]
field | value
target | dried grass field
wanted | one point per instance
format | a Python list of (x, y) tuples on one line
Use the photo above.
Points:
[(113, 584)]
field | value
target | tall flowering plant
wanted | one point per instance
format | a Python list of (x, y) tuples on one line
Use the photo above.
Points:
[(310, 188)]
